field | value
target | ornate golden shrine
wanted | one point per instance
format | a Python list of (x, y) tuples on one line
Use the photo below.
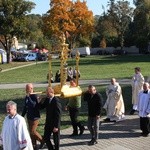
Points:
[(63, 89)]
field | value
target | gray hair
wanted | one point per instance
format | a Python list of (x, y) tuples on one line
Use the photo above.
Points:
[(11, 103), (90, 86), (146, 83)]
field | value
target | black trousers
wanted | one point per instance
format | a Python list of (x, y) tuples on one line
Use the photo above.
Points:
[(47, 138), (145, 125), (74, 113)]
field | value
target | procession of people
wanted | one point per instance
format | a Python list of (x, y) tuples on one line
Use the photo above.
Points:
[(15, 125)]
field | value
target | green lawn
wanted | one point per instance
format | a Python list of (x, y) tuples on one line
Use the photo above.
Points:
[(92, 67)]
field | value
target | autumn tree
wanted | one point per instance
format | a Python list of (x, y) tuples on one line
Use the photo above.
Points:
[(72, 18), (13, 21), (103, 43), (104, 29), (120, 15), (142, 23)]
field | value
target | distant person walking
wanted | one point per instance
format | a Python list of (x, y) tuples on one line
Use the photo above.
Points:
[(75, 73), (144, 109), (57, 76), (114, 104), (137, 86), (69, 74), (94, 102), (14, 135)]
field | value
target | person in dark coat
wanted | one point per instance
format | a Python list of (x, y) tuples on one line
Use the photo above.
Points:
[(57, 76), (94, 102), (31, 108), (53, 118)]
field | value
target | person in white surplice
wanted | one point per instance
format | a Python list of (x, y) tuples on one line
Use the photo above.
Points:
[(137, 86), (143, 106), (114, 104), (14, 135)]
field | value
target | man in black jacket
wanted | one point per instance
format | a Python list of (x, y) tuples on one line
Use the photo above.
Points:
[(94, 101), (53, 117)]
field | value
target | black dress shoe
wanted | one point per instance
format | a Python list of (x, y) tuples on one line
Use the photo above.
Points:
[(41, 144), (107, 120), (132, 112), (145, 134), (35, 147), (92, 142), (141, 134), (81, 130)]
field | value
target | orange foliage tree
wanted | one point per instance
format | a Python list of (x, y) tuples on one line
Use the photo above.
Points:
[(103, 43), (72, 18)]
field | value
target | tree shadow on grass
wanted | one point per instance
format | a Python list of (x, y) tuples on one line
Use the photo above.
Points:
[(114, 59)]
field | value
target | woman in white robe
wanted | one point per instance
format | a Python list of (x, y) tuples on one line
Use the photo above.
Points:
[(114, 104)]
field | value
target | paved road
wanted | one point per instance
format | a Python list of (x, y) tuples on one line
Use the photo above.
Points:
[(81, 82), (123, 135)]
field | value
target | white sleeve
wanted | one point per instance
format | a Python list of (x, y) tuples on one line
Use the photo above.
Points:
[(138, 101), (1, 141), (23, 134), (1, 135), (148, 107)]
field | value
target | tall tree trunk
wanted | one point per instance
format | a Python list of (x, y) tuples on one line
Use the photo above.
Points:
[(121, 41), (8, 56)]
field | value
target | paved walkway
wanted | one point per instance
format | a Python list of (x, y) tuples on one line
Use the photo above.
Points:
[(123, 135), (81, 82)]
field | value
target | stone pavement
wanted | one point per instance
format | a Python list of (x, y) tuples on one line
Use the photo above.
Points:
[(123, 135)]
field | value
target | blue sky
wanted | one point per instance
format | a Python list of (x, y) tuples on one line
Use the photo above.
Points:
[(94, 5)]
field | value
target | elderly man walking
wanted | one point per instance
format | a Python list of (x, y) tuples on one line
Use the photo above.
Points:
[(114, 104), (14, 135)]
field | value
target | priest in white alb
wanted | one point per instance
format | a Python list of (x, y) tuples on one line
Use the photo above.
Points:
[(137, 86), (114, 104), (144, 109), (14, 135)]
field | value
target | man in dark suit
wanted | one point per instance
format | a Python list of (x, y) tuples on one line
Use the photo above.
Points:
[(53, 117)]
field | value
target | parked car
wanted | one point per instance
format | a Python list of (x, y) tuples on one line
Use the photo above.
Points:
[(29, 57), (42, 57)]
